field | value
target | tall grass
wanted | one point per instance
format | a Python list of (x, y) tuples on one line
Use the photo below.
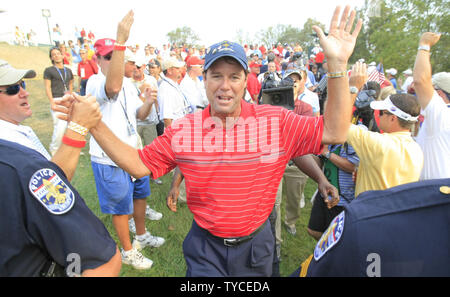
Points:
[(168, 259)]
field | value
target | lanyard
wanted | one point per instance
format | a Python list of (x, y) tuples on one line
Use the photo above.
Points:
[(187, 105), (125, 107), (63, 79)]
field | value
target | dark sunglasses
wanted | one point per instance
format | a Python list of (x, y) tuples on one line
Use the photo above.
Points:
[(107, 57), (13, 89), (382, 112)]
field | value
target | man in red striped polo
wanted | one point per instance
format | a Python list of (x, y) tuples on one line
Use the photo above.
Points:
[(233, 155)]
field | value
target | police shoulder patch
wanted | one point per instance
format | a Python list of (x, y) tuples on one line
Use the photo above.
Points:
[(331, 236), (51, 191)]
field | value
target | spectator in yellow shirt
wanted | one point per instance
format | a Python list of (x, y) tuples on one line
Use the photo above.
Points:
[(392, 158)]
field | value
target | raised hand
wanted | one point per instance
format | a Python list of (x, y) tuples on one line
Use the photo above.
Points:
[(124, 27), (339, 44), (358, 76), (429, 38)]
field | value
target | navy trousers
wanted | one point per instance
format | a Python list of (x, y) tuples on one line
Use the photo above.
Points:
[(207, 256)]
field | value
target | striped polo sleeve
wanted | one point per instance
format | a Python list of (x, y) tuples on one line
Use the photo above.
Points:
[(301, 135), (158, 156)]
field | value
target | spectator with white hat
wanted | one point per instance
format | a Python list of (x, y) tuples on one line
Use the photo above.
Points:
[(433, 96), (392, 72), (172, 103), (408, 80)]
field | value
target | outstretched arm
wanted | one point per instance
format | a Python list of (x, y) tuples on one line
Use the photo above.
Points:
[(124, 155), (422, 69), (338, 47)]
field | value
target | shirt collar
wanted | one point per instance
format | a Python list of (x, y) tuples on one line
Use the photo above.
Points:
[(247, 110), (11, 126)]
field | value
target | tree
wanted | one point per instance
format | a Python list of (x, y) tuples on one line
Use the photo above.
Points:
[(184, 35), (307, 37), (391, 35), (272, 35)]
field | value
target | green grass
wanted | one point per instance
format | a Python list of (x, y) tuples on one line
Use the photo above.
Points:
[(168, 259)]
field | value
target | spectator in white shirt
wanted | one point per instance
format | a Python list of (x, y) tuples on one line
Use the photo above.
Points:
[(191, 86)]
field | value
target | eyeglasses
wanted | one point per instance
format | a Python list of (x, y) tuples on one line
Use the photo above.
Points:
[(13, 89), (382, 112)]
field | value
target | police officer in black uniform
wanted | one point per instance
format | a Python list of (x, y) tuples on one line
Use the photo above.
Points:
[(46, 229), (45, 226), (401, 231)]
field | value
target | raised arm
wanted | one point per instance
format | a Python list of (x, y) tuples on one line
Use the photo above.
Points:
[(338, 47), (114, 77), (422, 69)]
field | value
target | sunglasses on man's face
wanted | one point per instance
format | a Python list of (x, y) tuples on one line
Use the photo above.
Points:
[(107, 57), (13, 89), (382, 112)]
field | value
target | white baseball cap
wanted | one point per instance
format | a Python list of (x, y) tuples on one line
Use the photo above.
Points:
[(442, 81), (10, 75), (407, 72), (392, 71), (171, 62)]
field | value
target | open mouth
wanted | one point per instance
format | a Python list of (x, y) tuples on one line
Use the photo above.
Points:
[(225, 98)]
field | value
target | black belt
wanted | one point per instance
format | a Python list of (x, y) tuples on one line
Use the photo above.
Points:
[(231, 242)]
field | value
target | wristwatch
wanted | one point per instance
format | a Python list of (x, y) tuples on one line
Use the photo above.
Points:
[(424, 47), (328, 155), (353, 90)]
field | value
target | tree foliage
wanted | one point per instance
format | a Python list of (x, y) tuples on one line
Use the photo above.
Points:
[(184, 35), (391, 34)]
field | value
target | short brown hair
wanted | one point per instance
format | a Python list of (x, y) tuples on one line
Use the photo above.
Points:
[(407, 103)]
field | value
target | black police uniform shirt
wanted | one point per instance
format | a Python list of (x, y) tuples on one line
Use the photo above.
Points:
[(42, 217), (401, 231)]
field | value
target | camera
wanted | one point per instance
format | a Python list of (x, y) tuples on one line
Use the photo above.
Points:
[(278, 92), (363, 112)]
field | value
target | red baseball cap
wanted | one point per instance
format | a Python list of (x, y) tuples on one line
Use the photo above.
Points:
[(104, 46), (194, 61), (254, 64)]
